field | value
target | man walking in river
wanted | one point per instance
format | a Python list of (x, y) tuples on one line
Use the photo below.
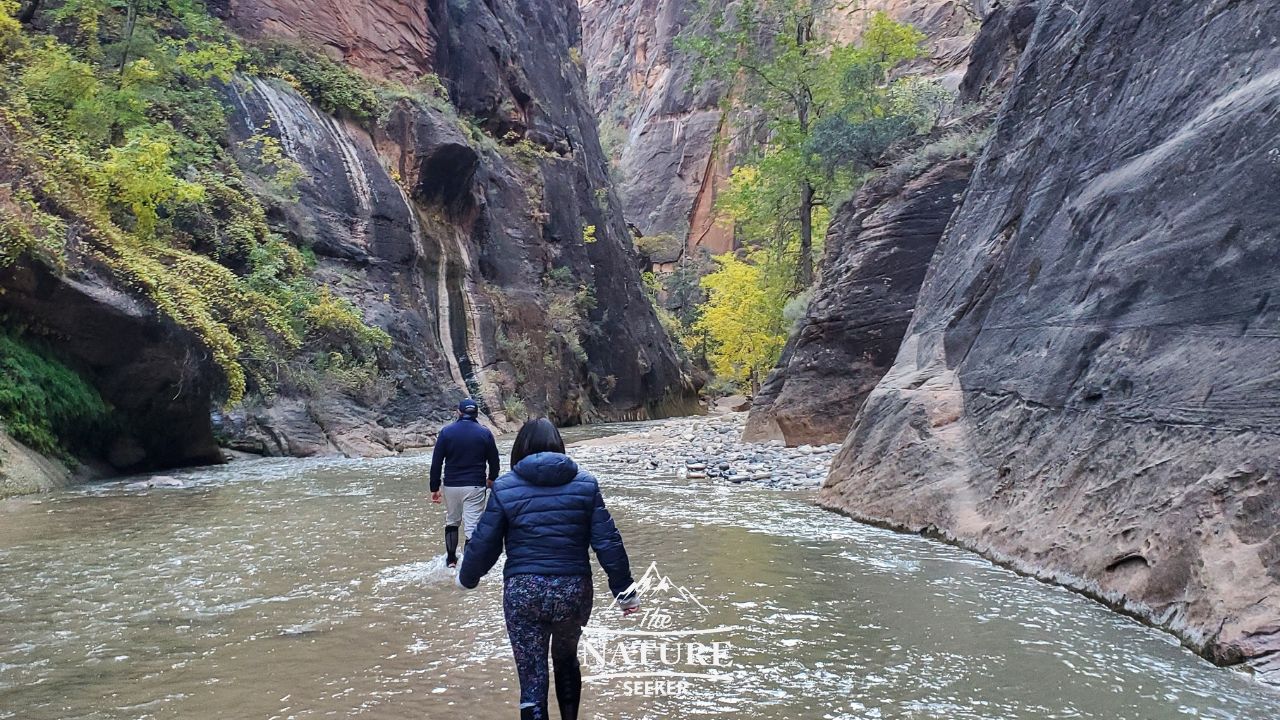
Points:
[(464, 450)]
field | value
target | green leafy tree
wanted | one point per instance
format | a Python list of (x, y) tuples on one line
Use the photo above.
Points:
[(780, 65)]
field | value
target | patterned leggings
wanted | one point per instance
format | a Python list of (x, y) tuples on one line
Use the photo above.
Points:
[(542, 611)]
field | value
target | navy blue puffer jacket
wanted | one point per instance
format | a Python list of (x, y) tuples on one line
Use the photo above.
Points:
[(548, 512)]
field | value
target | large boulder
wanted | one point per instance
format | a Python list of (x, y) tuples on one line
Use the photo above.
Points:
[(156, 375), (1089, 388)]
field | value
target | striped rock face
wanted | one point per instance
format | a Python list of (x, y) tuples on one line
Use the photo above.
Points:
[(1089, 386)]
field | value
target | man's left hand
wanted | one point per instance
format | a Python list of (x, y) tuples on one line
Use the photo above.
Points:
[(436, 496)]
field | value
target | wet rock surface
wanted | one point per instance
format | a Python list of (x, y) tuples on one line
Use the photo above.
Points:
[(446, 232), (372, 248), (24, 471), (709, 448), (154, 374), (1088, 388)]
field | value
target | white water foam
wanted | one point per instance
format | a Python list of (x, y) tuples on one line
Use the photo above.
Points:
[(426, 572)]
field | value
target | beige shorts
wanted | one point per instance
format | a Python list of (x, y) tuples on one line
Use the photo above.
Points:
[(464, 506)]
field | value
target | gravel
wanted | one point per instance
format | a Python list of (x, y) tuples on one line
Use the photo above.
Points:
[(710, 449)]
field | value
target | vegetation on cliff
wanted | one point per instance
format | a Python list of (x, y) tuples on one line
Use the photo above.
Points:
[(113, 154), (46, 405), (826, 113)]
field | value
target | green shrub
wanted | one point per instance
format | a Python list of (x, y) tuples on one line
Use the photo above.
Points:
[(662, 245), (964, 142), (561, 276), (329, 84), (46, 405), (515, 409), (337, 322)]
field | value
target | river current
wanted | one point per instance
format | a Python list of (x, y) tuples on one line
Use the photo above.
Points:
[(316, 589)]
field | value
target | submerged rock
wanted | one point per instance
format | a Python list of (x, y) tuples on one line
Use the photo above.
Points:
[(157, 481)]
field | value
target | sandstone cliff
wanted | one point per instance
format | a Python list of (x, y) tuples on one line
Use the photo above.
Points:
[(483, 236), (671, 145), (474, 221), (1087, 390), (391, 38), (878, 248)]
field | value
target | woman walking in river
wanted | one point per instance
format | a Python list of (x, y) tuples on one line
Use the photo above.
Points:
[(548, 512)]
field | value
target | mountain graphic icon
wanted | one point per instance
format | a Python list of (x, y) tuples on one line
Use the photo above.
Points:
[(653, 585)]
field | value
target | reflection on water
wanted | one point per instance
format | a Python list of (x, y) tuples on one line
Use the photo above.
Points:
[(285, 588)]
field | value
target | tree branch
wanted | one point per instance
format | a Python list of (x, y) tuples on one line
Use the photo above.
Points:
[(790, 94)]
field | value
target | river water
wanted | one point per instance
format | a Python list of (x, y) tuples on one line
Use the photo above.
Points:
[(314, 588)]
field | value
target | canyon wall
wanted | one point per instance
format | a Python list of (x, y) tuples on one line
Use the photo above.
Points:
[(482, 234), (877, 250), (1087, 389), (474, 221), (670, 143)]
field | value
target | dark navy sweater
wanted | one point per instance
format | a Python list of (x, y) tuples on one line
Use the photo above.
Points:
[(548, 514), (464, 449)]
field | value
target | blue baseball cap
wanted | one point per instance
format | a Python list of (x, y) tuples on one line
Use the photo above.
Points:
[(468, 406)]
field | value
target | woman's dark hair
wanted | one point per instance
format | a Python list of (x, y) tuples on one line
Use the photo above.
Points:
[(536, 436)]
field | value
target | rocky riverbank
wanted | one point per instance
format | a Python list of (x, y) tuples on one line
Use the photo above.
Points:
[(708, 448)]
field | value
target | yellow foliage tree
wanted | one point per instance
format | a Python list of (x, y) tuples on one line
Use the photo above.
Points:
[(141, 176), (10, 28), (742, 321)]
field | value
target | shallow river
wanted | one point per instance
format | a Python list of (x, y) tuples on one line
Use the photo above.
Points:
[(287, 588)]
